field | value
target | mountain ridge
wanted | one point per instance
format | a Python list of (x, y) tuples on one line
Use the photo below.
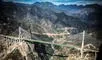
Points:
[(38, 13)]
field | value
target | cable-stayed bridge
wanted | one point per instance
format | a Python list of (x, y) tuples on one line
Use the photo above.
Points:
[(24, 37)]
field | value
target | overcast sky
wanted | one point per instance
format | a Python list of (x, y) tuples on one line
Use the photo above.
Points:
[(58, 1)]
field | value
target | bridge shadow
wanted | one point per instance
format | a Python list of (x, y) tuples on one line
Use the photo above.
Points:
[(41, 50)]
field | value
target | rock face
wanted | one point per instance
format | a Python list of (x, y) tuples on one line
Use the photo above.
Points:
[(15, 51)]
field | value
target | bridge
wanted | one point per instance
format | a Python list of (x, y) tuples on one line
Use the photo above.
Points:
[(24, 38)]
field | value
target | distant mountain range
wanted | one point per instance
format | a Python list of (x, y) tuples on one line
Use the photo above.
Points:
[(49, 16)]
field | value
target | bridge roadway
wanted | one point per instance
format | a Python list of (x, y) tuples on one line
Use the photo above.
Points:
[(44, 42)]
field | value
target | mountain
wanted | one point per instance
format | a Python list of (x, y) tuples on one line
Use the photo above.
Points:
[(51, 16), (44, 17), (90, 14)]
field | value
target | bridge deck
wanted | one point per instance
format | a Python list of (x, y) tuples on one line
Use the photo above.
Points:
[(44, 42)]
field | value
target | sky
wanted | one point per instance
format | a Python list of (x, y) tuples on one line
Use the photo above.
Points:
[(57, 2)]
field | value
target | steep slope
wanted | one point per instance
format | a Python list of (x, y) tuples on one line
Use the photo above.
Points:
[(89, 14), (48, 18)]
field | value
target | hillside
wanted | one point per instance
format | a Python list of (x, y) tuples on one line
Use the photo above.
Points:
[(45, 17)]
